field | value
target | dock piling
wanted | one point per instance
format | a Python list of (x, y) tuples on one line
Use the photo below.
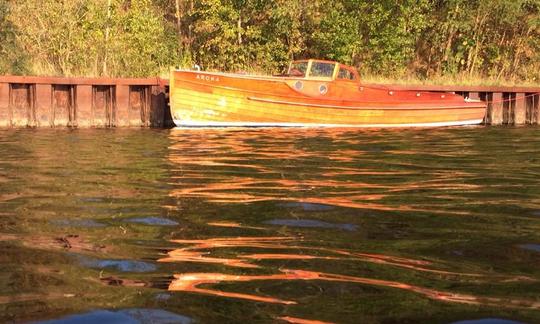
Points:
[(532, 107), (497, 104), (63, 106), (520, 109)]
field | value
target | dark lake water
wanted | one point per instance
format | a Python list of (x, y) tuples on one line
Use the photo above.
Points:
[(270, 226)]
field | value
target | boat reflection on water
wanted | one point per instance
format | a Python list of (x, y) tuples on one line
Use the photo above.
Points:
[(233, 169), (296, 320), (274, 178), (189, 282), (193, 253)]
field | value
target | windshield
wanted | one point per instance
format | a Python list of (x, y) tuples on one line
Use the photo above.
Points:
[(322, 70), (298, 69)]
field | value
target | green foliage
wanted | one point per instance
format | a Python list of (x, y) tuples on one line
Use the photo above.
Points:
[(495, 39), (89, 37), (492, 38), (12, 58), (143, 43)]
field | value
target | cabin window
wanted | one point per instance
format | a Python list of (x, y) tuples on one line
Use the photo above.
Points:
[(345, 74), (298, 69), (322, 70)]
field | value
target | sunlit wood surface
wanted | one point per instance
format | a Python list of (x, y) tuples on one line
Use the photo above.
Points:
[(215, 99)]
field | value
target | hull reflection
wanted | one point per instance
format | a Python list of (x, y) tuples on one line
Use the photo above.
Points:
[(190, 282), (234, 170), (192, 253), (295, 320)]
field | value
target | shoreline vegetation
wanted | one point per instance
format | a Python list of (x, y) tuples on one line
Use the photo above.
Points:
[(491, 42)]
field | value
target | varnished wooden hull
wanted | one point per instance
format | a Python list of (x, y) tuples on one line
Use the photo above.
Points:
[(216, 100)]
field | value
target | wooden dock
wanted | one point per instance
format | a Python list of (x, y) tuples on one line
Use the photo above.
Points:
[(109, 102), (82, 102)]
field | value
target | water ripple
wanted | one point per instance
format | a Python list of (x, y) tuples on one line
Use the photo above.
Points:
[(271, 225)]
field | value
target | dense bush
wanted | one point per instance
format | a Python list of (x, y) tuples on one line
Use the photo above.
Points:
[(497, 39), (12, 57)]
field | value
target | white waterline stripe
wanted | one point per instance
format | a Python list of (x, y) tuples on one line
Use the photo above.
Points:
[(184, 123)]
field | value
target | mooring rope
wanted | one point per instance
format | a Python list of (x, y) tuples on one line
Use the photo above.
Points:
[(516, 98), (503, 100)]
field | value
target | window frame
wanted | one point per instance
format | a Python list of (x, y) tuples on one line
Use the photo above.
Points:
[(335, 75)]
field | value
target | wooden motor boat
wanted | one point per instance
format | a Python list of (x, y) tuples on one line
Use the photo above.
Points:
[(313, 93)]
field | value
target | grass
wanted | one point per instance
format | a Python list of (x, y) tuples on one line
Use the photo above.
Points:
[(450, 80), (443, 80)]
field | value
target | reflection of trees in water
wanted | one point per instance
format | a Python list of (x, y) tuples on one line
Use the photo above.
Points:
[(65, 197)]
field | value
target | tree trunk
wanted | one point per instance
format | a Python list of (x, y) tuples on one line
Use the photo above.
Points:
[(190, 27), (107, 31), (179, 27), (449, 40), (519, 52), (239, 29), (479, 40), (470, 50)]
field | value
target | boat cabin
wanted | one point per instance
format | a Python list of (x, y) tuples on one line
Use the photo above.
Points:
[(322, 70)]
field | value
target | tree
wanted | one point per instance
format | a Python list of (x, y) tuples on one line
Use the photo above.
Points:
[(497, 39), (12, 58)]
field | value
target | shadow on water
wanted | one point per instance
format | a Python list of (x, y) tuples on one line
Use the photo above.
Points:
[(488, 321), (310, 223), (266, 225), (531, 247), (157, 221), (117, 265), (127, 316)]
